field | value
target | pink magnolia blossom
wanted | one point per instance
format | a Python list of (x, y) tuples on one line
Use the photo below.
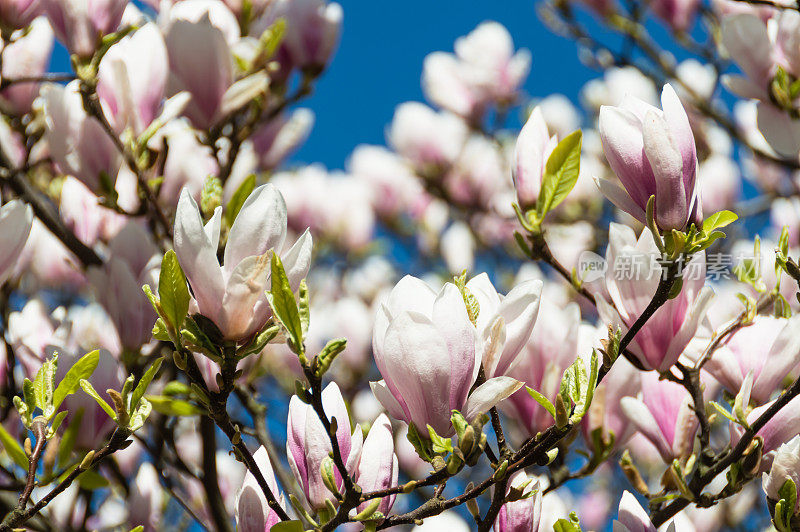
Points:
[(633, 518), (522, 515), (483, 71), (78, 143), (552, 347), (504, 323), (605, 412), (80, 24), (781, 428), (253, 513), (188, 162), (308, 445), (276, 140), (396, 189), (132, 78), (427, 139), (232, 295), (785, 466), (312, 31), (16, 219), (769, 348), (428, 353), (145, 505), (653, 153), (133, 262), (662, 340), (17, 14), (663, 415), (378, 466), (27, 56), (533, 148), (82, 213), (678, 14)]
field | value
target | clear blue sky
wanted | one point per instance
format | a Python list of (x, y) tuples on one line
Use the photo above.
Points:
[(379, 62)]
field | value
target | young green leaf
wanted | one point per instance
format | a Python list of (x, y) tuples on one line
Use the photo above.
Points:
[(284, 306), (44, 383), (170, 406), (88, 388), (67, 444), (13, 448), (561, 173), (543, 401), (144, 382), (82, 369), (238, 198), (172, 291), (288, 526), (718, 220)]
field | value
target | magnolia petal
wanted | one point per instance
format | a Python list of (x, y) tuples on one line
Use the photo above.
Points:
[(488, 394)]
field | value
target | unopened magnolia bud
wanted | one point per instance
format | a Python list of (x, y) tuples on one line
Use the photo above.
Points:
[(562, 414), (179, 361), (408, 487), (86, 463), (500, 472), (28, 447)]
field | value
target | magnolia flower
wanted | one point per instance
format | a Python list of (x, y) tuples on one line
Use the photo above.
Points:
[(769, 349), (605, 412), (552, 348), (276, 140), (233, 295), (484, 70), (312, 31), (522, 515), (427, 351), (80, 24), (85, 216), (533, 148), (396, 189), (378, 466), (653, 154), (678, 14), (504, 323), (785, 466), (427, 139), (781, 428), (132, 77), (760, 48), (188, 163), (133, 261), (633, 518), (17, 14), (457, 245), (16, 220), (27, 56), (308, 444), (664, 415), (663, 338), (78, 143), (253, 513)]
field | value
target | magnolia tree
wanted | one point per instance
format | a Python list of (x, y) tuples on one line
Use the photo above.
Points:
[(198, 335)]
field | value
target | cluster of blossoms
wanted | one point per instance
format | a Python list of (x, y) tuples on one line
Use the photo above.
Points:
[(177, 304)]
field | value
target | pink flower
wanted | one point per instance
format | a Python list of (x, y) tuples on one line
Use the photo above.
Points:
[(16, 220), (504, 323), (663, 338), (80, 24), (605, 412), (678, 14), (312, 31), (233, 295), (429, 140), (308, 444), (780, 429), (769, 348), (83, 214), (633, 518), (652, 152), (552, 347), (276, 140), (253, 513), (28, 56), (145, 499), (17, 14), (533, 148), (785, 466), (663, 415), (522, 515), (378, 467), (428, 353)]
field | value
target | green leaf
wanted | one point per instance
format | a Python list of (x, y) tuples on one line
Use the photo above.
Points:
[(44, 383), (176, 388), (304, 308), (144, 382), (561, 173), (722, 410), (287, 526), (70, 436), (284, 306), (172, 291), (788, 493), (13, 448), (160, 331), (88, 388), (238, 198), (568, 525), (82, 369), (56, 423), (440, 445), (140, 415), (91, 480), (718, 220), (542, 400), (170, 406)]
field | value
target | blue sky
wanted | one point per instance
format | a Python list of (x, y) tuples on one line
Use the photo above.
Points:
[(379, 62)]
